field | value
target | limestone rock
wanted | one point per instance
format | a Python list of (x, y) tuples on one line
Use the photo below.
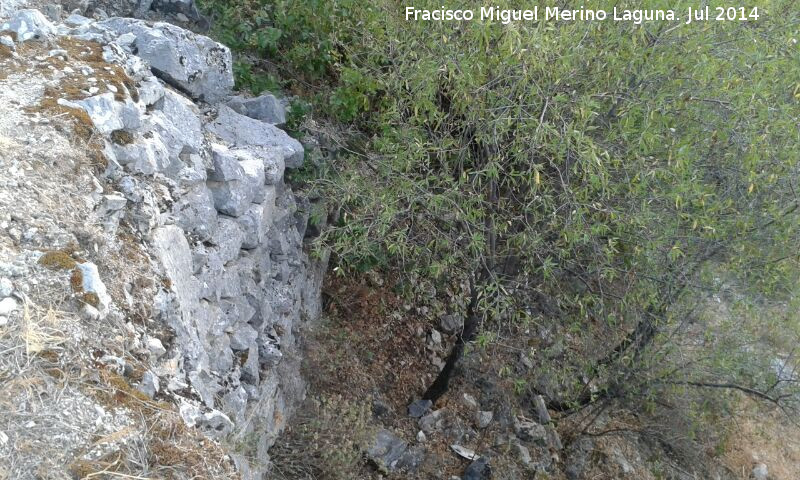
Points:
[(176, 121), (191, 170), (578, 458), (254, 222), (93, 285), (89, 313), (419, 408), (8, 7), (523, 454), (254, 176), (484, 418), (233, 311), (244, 131), (225, 165), (155, 347), (464, 452), (231, 198), (234, 404), (478, 470), (7, 305), (8, 42), (29, 24), (150, 90), (77, 20), (530, 431), (266, 108), (243, 337), (235, 183), (392, 453), (114, 202), (541, 409), (189, 413), (149, 384), (274, 165), (451, 323), (269, 354), (193, 63), (195, 212), (220, 357), (6, 288), (107, 113), (433, 421), (228, 238), (760, 472), (469, 401), (53, 12)]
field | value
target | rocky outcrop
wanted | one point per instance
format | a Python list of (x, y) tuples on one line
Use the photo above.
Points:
[(192, 63), (202, 186)]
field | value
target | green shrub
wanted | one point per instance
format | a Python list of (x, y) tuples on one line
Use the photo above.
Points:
[(615, 169)]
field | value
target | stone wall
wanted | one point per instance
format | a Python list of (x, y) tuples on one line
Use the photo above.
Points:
[(202, 185)]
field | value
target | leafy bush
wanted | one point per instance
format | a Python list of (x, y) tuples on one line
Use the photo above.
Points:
[(613, 171)]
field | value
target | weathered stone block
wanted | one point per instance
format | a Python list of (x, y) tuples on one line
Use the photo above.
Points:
[(228, 238), (195, 213), (244, 131), (266, 108), (176, 120), (194, 63)]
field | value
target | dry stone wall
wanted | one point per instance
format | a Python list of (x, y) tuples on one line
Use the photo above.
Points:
[(202, 184)]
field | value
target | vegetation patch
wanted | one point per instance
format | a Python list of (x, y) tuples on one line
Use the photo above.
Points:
[(5, 52), (326, 440), (581, 191), (76, 280), (58, 260), (91, 298), (110, 464), (122, 137), (75, 86)]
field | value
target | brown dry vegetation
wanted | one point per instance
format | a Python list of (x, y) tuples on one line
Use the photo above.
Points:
[(73, 86), (369, 348), (761, 434)]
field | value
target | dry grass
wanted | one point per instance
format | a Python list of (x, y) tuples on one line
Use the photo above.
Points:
[(5, 52), (73, 86), (762, 435), (39, 362), (325, 440), (40, 329)]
